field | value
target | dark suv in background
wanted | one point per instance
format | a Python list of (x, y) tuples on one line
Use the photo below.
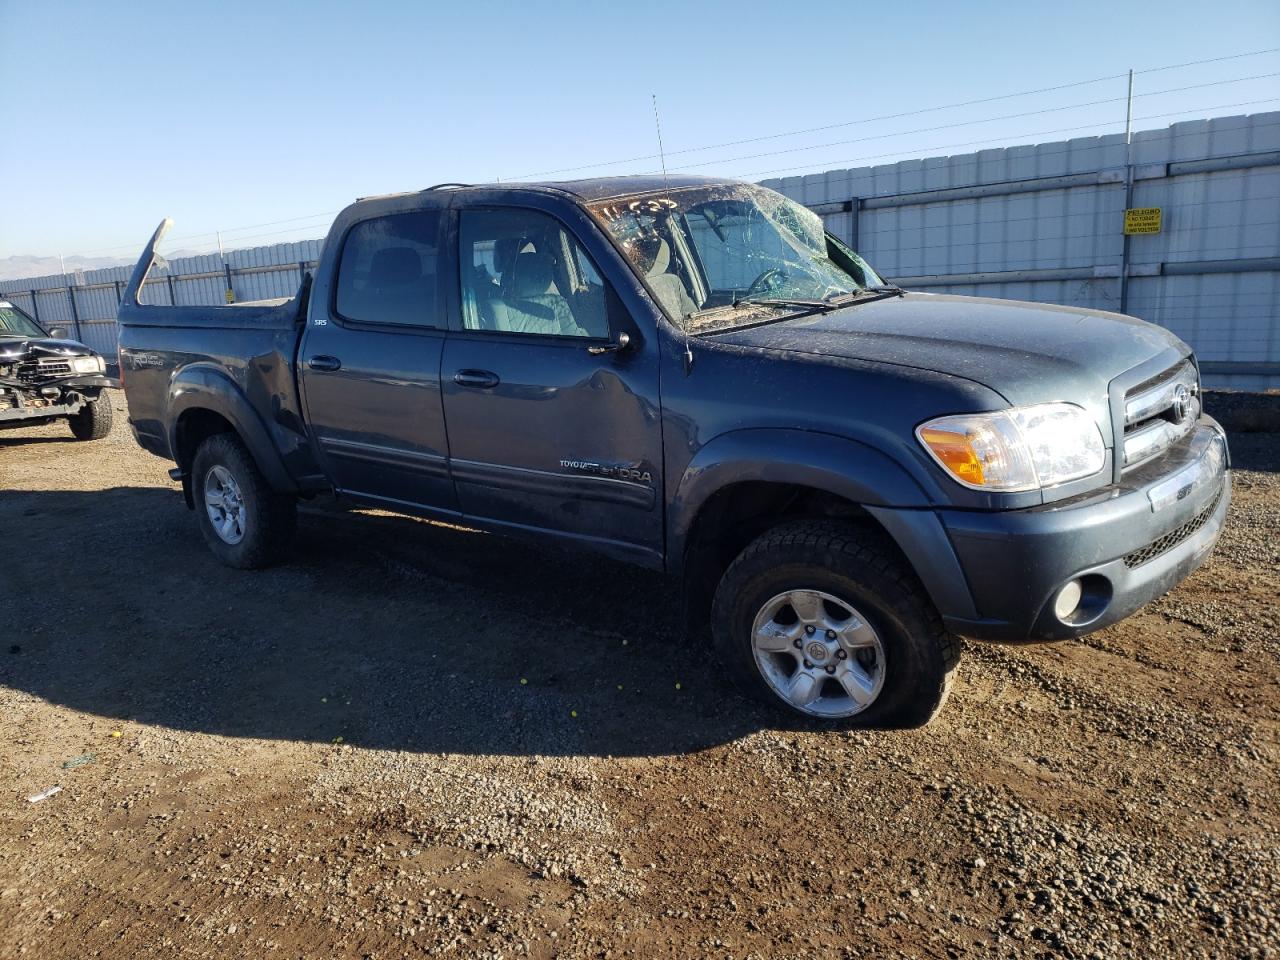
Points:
[(45, 377)]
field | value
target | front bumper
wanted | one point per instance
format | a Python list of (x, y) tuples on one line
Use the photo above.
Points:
[(22, 402), (1128, 545)]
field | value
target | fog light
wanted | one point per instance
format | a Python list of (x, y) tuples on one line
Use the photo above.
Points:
[(1068, 599)]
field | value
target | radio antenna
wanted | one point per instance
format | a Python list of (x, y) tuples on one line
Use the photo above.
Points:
[(661, 153), (666, 186)]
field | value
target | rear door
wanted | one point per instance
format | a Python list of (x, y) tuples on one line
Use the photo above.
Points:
[(369, 363), (549, 428)]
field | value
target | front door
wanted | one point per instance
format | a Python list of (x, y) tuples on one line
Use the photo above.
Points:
[(369, 365), (550, 429)]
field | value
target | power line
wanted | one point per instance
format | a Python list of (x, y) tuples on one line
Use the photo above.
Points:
[(967, 143), (253, 226), (277, 233), (1012, 136), (213, 233), (970, 123), (898, 116), (231, 232)]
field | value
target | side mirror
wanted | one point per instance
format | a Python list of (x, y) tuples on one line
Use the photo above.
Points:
[(58, 333), (620, 343)]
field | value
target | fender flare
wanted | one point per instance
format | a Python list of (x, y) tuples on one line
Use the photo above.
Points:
[(206, 387), (847, 468)]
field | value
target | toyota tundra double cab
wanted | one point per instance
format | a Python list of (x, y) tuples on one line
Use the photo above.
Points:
[(46, 377), (693, 376)]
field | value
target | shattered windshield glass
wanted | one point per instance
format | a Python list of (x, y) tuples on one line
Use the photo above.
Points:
[(730, 254), (14, 323)]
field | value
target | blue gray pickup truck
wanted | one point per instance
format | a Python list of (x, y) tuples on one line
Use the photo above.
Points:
[(693, 376)]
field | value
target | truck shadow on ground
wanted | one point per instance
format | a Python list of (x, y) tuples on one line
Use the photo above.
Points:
[(386, 631), (17, 439)]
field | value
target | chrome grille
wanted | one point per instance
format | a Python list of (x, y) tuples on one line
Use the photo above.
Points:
[(33, 371), (1160, 412)]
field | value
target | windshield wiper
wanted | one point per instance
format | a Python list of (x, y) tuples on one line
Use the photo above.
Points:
[(864, 295), (757, 301), (780, 301), (835, 301)]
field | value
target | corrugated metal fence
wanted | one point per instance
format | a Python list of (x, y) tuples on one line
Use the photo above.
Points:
[(1042, 222), (1045, 223), (87, 305)]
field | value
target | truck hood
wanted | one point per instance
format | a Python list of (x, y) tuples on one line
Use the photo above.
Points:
[(25, 348), (1026, 352)]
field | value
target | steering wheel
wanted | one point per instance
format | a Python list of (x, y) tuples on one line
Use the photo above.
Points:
[(768, 280)]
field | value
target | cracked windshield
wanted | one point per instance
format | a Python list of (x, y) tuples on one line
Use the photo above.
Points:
[(725, 256), (13, 323)]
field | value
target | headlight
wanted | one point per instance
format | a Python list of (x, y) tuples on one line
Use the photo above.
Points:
[(88, 365), (1024, 448)]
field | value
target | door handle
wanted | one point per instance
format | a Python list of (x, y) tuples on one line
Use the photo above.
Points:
[(476, 378), (324, 363)]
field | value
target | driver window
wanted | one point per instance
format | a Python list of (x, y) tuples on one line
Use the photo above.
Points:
[(522, 272)]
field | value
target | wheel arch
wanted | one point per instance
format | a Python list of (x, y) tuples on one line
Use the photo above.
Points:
[(840, 470), (203, 401), (745, 482)]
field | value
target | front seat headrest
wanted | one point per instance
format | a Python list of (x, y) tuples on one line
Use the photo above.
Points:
[(532, 275)]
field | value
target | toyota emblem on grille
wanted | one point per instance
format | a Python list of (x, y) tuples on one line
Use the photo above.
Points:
[(1181, 403)]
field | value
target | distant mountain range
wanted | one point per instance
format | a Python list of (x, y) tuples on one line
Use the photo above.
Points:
[(21, 267)]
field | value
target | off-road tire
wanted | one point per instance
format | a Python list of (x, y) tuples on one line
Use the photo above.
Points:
[(271, 517), (93, 420), (860, 565)]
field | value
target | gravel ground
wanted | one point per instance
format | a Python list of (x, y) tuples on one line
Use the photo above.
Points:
[(414, 739)]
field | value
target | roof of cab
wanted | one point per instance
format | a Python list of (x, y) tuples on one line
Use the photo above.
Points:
[(588, 190), (602, 188), (582, 191)]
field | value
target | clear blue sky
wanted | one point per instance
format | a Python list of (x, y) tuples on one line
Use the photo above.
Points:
[(230, 115)]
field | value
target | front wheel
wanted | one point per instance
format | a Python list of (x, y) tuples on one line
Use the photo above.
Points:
[(825, 620), (246, 523), (93, 420)]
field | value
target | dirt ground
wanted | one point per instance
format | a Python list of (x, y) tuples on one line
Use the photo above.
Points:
[(413, 740)]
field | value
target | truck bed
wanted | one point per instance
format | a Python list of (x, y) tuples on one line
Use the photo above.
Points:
[(167, 352)]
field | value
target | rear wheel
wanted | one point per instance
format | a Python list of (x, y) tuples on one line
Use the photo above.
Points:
[(244, 521), (93, 420), (825, 620)]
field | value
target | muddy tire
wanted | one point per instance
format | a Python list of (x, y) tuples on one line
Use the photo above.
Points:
[(246, 523), (93, 420), (825, 620)]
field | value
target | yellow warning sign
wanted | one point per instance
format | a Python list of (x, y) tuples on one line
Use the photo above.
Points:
[(1142, 220)]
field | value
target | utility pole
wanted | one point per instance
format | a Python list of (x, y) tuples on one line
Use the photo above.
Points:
[(71, 296), (226, 269), (1128, 194), (1128, 117)]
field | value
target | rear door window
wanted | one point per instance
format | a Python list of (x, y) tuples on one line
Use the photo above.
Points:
[(389, 269)]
